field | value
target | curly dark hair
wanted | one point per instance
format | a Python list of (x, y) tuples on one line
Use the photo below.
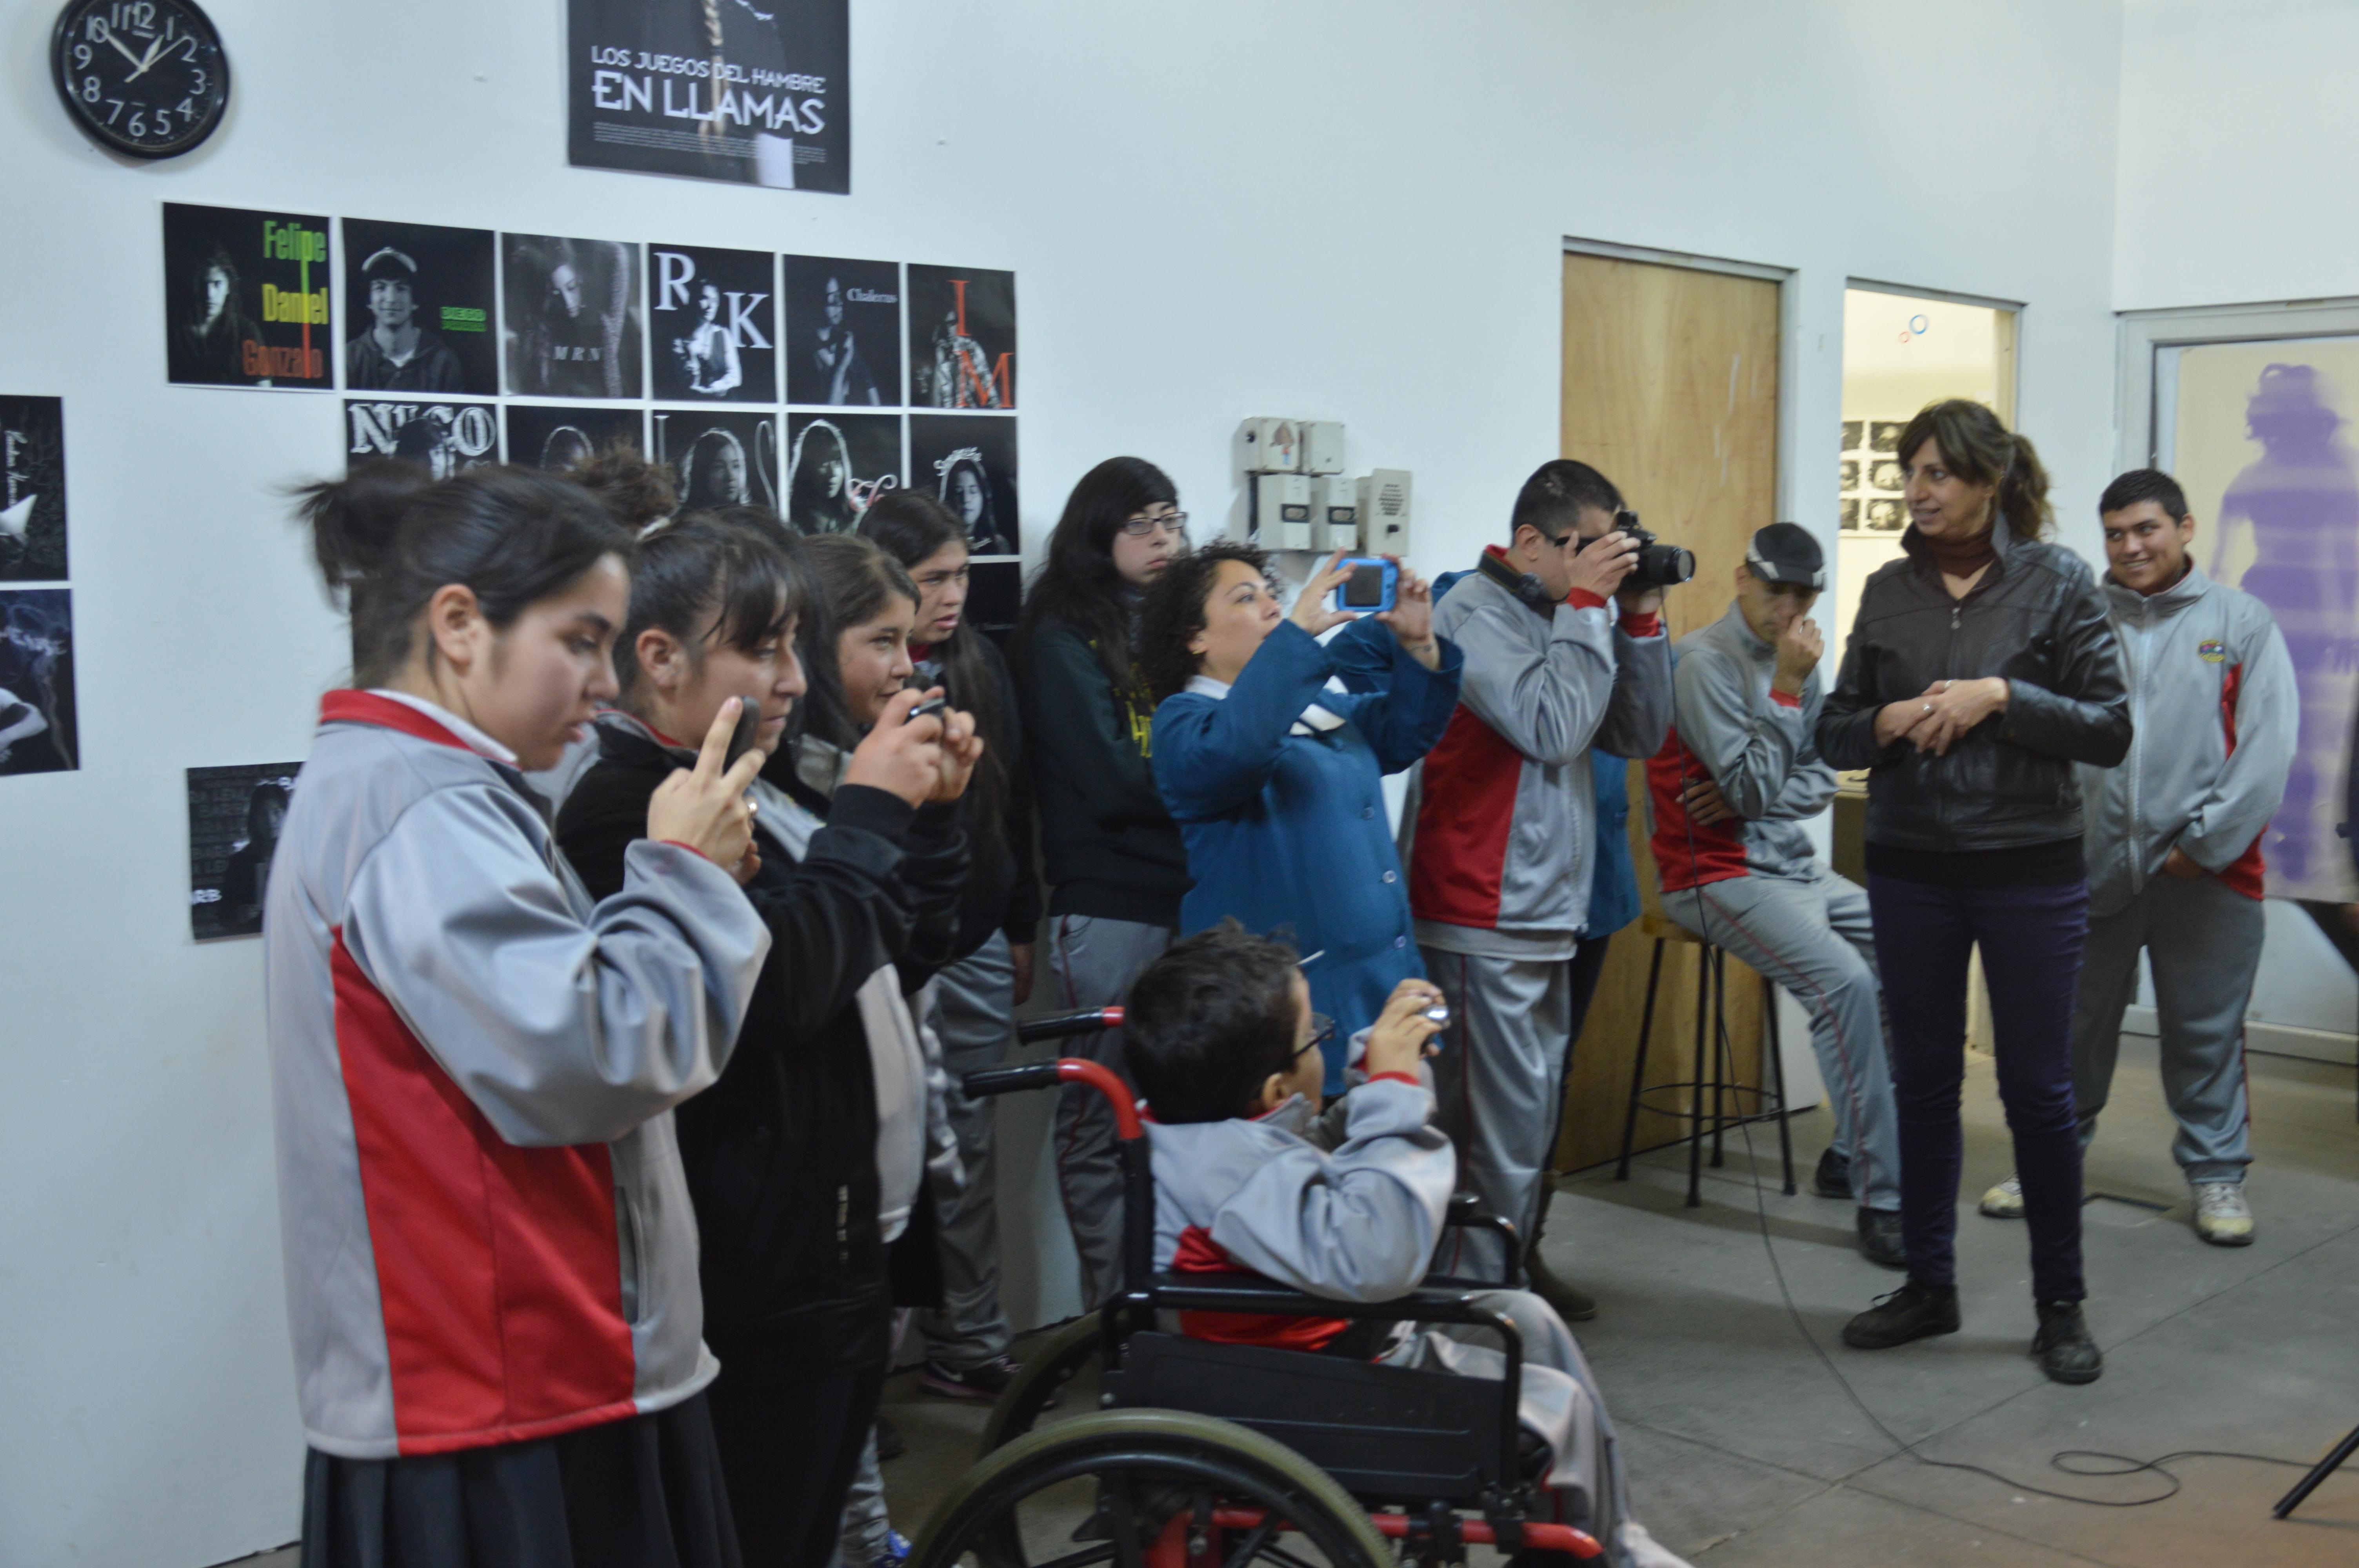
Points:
[(1172, 612)]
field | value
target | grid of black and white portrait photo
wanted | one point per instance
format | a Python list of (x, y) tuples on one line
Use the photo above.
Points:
[(38, 730)]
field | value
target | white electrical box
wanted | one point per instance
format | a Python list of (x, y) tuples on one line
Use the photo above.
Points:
[(1384, 496), (1282, 512), (1269, 446), (1322, 446), (1335, 507)]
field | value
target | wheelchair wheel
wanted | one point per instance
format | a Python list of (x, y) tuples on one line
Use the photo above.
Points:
[(1138, 1488), (1047, 1368)]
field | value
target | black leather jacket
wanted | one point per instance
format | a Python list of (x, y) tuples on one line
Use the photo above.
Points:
[(2037, 618)]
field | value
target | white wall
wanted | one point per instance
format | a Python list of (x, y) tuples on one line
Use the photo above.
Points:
[(1121, 160)]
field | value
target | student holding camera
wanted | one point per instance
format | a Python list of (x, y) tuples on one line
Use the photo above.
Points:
[(1276, 782), (1503, 853)]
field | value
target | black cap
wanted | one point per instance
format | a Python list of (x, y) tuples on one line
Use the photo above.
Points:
[(1785, 552)]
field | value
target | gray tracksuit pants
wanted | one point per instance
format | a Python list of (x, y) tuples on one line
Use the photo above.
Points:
[(2203, 942), (1094, 959), (1811, 934), (973, 1009), (1499, 1080)]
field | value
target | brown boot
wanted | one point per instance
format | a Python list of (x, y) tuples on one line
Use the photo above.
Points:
[(1573, 1303)]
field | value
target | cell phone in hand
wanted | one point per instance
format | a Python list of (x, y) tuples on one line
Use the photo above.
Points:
[(932, 706), (1371, 589), (747, 734)]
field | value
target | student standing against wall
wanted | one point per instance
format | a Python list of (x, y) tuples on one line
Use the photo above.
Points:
[(2174, 842), (1115, 866), (491, 1266), (1973, 837)]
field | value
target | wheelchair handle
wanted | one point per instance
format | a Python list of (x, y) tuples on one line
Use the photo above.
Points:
[(1065, 1024), (1063, 1070)]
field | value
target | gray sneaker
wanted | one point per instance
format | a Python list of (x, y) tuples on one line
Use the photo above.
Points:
[(2223, 1217), (2005, 1201)]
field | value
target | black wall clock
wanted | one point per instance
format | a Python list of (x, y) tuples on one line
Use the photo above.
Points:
[(146, 78)]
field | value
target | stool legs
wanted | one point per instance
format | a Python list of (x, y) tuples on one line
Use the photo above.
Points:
[(1703, 1024), (1778, 1078), (1638, 1069)]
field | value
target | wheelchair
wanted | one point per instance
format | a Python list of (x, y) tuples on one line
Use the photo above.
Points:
[(1212, 1456)]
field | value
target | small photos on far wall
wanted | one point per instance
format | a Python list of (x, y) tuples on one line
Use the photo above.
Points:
[(37, 684), (32, 489), (443, 438), (843, 332), (1872, 478), (967, 461), (570, 320), (720, 459), (713, 325), (234, 816), (962, 338), (247, 297), (541, 436), (419, 303), (837, 464)]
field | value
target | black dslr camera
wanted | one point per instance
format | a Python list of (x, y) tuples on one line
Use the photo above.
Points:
[(1660, 565)]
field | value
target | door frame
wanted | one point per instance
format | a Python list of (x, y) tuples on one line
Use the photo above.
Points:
[(2142, 334)]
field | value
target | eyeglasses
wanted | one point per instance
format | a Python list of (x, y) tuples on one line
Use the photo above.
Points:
[(1322, 1030), (1145, 527)]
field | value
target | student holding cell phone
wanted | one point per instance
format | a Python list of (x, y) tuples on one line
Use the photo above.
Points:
[(1276, 782)]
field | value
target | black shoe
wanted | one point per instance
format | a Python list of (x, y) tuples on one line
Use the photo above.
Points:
[(1573, 1303), (1912, 1311), (890, 1443), (2066, 1352), (1832, 1179), (987, 1381), (1880, 1237)]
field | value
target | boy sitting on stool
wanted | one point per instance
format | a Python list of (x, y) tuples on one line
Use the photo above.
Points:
[(1249, 1176)]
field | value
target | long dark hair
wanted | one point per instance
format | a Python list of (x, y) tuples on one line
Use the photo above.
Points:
[(711, 584), (1979, 450), (851, 580), (913, 526), (388, 537), (1078, 584), (1173, 612)]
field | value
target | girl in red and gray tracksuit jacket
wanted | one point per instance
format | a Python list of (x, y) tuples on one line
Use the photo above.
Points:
[(491, 1263)]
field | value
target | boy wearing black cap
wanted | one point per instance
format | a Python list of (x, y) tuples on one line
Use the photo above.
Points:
[(1731, 789), (396, 354)]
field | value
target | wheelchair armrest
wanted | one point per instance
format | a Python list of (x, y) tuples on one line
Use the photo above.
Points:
[(1466, 1209), (1243, 1292)]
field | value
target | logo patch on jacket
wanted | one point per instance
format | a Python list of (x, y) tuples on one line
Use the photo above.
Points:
[(2212, 651)]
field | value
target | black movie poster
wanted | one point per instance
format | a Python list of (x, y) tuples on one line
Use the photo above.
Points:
[(962, 338), (713, 325), (32, 489), (234, 814), (968, 463), (838, 463), (36, 686), (557, 438), (443, 438), (246, 297), (571, 316), (843, 332), (419, 302), (720, 458), (753, 92)]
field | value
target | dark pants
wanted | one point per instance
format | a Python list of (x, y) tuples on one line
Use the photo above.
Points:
[(792, 1418), (2030, 938)]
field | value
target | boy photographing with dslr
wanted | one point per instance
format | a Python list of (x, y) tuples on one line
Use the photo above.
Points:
[(1250, 1177)]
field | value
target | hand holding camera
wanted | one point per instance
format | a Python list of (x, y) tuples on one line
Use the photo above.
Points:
[(1310, 609), (1401, 1037), (903, 754)]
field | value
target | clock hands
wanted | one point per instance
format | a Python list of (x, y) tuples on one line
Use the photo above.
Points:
[(123, 52), (154, 45)]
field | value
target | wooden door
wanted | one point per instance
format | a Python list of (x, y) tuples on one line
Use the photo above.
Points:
[(1670, 390)]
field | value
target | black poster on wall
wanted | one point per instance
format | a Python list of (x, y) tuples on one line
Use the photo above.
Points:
[(838, 463), (722, 459), (418, 300), (968, 463), (556, 438), (32, 489), (37, 683), (246, 297), (843, 332), (443, 438), (713, 325), (234, 814), (962, 338), (571, 316), (752, 92)]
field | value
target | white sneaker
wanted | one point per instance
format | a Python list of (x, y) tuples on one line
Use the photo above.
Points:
[(2005, 1201), (2223, 1217)]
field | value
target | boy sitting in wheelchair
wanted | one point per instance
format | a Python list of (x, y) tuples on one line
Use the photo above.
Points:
[(1250, 1176)]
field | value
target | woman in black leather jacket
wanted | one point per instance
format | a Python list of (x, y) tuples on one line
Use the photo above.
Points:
[(1981, 669)]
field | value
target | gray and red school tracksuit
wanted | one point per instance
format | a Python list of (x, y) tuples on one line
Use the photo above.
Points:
[(1500, 851), (1755, 886), (2214, 715), (1358, 1221), (487, 1236)]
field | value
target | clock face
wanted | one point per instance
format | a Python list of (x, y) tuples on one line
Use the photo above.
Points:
[(147, 78)]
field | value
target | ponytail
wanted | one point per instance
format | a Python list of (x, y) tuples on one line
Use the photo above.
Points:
[(1977, 447), (2022, 496), (388, 538)]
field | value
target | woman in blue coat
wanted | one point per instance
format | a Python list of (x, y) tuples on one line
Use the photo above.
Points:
[(1276, 782)]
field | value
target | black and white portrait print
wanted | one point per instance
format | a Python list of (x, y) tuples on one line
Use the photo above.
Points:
[(443, 438), (713, 322), (843, 332), (838, 463), (556, 438), (720, 459), (37, 683), (247, 297), (1885, 517), (234, 816), (962, 338), (571, 316), (1883, 435), (32, 489), (968, 463), (418, 298)]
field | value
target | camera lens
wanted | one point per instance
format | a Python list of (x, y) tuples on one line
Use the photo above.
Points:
[(1439, 1013)]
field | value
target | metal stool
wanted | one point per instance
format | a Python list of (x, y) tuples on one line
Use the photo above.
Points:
[(1711, 997)]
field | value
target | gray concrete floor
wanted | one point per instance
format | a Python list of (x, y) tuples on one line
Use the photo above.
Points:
[(1744, 1449)]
